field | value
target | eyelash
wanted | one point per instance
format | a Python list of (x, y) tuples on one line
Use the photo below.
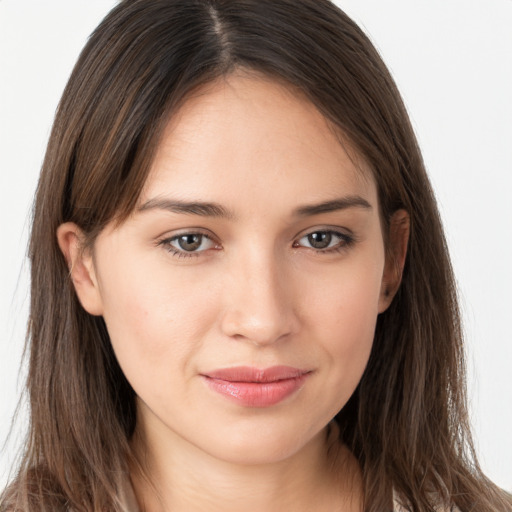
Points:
[(345, 242), (166, 244)]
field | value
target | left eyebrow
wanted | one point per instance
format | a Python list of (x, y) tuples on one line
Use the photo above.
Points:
[(203, 209), (330, 206)]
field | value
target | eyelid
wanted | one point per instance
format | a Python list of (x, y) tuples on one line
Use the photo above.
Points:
[(337, 230), (170, 235), (165, 242), (347, 238)]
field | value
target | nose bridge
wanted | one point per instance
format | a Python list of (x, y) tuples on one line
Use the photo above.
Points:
[(258, 304)]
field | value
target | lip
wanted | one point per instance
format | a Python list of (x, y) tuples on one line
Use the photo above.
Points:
[(255, 387)]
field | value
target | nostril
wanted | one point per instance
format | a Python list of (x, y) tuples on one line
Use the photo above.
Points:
[(258, 324)]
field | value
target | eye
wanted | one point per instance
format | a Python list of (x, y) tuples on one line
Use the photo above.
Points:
[(325, 240), (188, 244)]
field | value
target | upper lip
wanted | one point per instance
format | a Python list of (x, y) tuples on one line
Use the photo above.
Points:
[(251, 374)]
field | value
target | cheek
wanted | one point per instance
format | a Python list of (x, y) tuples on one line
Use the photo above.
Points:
[(156, 320), (352, 327), (343, 319), (355, 312), (345, 299)]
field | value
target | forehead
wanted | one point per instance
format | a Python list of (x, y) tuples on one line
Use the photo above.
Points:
[(246, 136)]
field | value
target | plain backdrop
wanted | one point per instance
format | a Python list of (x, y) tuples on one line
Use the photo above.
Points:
[(452, 60)]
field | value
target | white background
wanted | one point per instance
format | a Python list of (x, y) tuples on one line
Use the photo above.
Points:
[(452, 60)]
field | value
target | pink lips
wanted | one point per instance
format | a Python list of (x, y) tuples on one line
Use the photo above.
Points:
[(253, 387)]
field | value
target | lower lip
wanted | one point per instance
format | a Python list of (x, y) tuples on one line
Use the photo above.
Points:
[(257, 394)]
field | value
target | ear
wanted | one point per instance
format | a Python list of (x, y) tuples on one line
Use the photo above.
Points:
[(81, 267), (398, 238)]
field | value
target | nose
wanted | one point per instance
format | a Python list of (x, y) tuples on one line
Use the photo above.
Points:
[(259, 300)]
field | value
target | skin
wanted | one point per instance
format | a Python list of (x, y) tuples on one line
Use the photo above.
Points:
[(255, 293)]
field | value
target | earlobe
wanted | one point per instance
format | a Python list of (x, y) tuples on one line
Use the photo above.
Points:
[(398, 238), (81, 267)]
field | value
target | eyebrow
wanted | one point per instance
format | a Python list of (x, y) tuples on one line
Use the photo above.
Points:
[(208, 209), (330, 206), (203, 209)]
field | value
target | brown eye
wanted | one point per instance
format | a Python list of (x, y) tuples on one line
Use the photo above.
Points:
[(325, 241), (190, 242), (320, 239)]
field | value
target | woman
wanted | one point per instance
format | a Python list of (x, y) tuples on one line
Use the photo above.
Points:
[(241, 294)]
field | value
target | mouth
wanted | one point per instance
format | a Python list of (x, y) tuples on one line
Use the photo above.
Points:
[(254, 387)]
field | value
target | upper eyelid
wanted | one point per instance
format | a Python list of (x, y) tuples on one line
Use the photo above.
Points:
[(208, 234), (345, 238), (337, 230), (190, 231), (166, 238), (165, 242), (211, 236), (185, 233)]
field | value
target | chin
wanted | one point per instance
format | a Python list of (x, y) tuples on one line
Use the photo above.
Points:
[(258, 442)]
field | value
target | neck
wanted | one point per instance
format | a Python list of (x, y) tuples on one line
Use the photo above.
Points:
[(322, 476)]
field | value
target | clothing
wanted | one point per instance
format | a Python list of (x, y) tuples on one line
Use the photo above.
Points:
[(127, 498)]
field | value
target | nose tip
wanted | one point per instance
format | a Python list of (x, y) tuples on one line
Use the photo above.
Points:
[(259, 308), (252, 328)]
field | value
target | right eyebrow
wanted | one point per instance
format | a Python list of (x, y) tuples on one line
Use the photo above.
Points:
[(333, 205), (203, 209)]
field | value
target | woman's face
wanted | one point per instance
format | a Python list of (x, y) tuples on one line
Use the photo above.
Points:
[(241, 296)]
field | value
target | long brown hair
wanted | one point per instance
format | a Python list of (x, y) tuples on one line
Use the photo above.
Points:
[(407, 422)]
